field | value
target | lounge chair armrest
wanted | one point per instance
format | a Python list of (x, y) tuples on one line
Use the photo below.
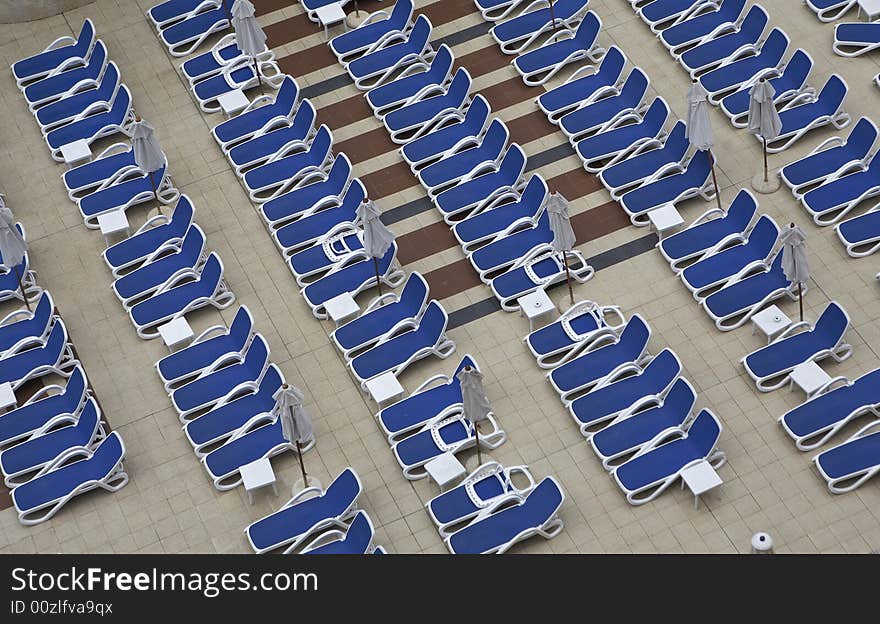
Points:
[(112, 149), (62, 459), (706, 216), (864, 430), (791, 329), (835, 140), (372, 17), (65, 39), (380, 300), (581, 71), (12, 316), (523, 470), (256, 102), (211, 331), (176, 279), (300, 496), (159, 219), (801, 98), (42, 392), (431, 380), (251, 424)]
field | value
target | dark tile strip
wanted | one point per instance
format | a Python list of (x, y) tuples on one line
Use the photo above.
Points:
[(425, 242)]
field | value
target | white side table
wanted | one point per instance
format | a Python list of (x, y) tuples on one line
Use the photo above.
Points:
[(771, 322), (809, 377), (383, 388), (7, 397), (113, 223), (871, 8), (341, 308), (445, 469), (175, 333), (258, 474), (233, 102), (664, 219), (330, 15), (700, 478), (535, 305), (76, 153)]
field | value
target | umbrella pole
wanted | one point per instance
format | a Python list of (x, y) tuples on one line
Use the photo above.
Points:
[(477, 437), (553, 15), (228, 13), (259, 77), (568, 277), (715, 180), (21, 288), (765, 159), (378, 281), (302, 466), (357, 9), (155, 195)]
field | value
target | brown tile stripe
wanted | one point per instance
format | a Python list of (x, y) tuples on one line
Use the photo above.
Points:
[(268, 6)]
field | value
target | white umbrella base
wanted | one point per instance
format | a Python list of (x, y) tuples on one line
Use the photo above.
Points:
[(770, 186), (301, 484), (353, 20)]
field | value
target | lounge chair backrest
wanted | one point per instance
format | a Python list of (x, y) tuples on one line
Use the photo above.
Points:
[(663, 369), (55, 342), (635, 87), (535, 192), (862, 136), (121, 105), (441, 65), (776, 44), (401, 13), (109, 82), (467, 360), (212, 273), (566, 8), (636, 333), (797, 70), (287, 96), (832, 95), (545, 499), (460, 85), (340, 171), (43, 310), (682, 395), (304, 118), (75, 390), (182, 217), (731, 9), (257, 354), (699, 167), (477, 114), (497, 134), (421, 33), (242, 326), (360, 531), (323, 141), (704, 432), (193, 244), (874, 165), (415, 292), (345, 487), (355, 195), (588, 29), (764, 234), (97, 61), (613, 61), (271, 381), (514, 162), (433, 322), (755, 22), (656, 114), (833, 322), (88, 421), (105, 457), (85, 38), (742, 210)]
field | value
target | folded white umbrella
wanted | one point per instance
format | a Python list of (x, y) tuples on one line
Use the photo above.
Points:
[(296, 427), (475, 404), (699, 128), (12, 246), (764, 120), (564, 238), (249, 37), (377, 237), (147, 152), (794, 260)]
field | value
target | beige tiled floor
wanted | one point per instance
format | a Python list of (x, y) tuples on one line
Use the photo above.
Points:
[(170, 505)]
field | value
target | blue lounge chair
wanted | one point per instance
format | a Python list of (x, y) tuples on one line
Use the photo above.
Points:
[(263, 148), (563, 48), (183, 37), (584, 86), (468, 163), (103, 170), (44, 411), (506, 213), (56, 86), (450, 138), (352, 278), (497, 10), (648, 474), (22, 327), (20, 462), (374, 69), (435, 399), (313, 192), (807, 112), (518, 33), (835, 198), (831, 158), (308, 265), (93, 127), (178, 297), (476, 193), (541, 268), (860, 235), (502, 253), (287, 170), (129, 189), (815, 421), (736, 302), (385, 315), (669, 189), (771, 366), (449, 435), (433, 108), (53, 355), (703, 26), (628, 391), (486, 487), (627, 134), (40, 498), (310, 511), (159, 234), (499, 530), (412, 81), (576, 330), (630, 433), (71, 108), (171, 11), (19, 282), (222, 54), (855, 38), (830, 10), (732, 262), (661, 14), (308, 229), (791, 83), (356, 539), (733, 74), (849, 465), (600, 114), (56, 57), (231, 415), (239, 74), (257, 119), (708, 235), (208, 350), (373, 33), (222, 380), (642, 165), (394, 352), (711, 53), (602, 357)]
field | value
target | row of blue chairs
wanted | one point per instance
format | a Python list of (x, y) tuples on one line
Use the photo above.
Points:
[(183, 25)]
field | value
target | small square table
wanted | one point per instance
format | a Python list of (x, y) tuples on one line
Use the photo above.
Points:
[(809, 377), (112, 223), (76, 153), (7, 397), (445, 469), (341, 308), (535, 305), (233, 102), (871, 8), (330, 15), (771, 321), (175, 333), (664, 219), (700, 478), (384, 387), (256, 475)]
